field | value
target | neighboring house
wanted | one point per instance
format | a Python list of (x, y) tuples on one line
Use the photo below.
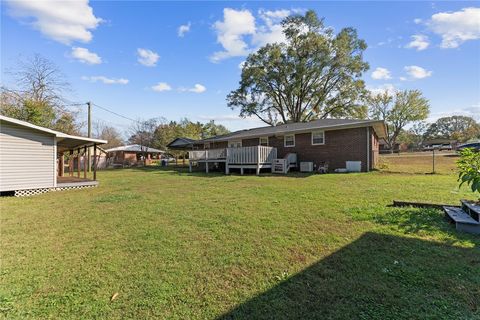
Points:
[(100, 157), (336, 143), (439, 144), (132, 155), (397, 147), (181, 144), (32, 158)]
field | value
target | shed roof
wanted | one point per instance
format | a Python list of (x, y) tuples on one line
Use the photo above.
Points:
[(64, 141), (298, 127), (135, 148)]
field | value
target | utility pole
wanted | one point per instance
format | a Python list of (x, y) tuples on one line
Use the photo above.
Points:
[(89, 104)]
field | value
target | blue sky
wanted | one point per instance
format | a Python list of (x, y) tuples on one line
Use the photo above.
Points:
[(133, 58)]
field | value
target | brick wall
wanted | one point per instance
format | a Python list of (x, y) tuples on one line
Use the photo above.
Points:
[(340, 146)]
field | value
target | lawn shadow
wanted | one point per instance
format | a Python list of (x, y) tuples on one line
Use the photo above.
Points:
[(411, 220), (216, 173), (377, 276)]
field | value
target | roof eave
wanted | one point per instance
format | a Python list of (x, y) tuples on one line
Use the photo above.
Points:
[(378, 126)]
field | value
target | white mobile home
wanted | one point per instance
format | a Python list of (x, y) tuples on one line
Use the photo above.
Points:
[(32, 158)]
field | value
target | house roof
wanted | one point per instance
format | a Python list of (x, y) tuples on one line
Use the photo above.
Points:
[(181, 143), (299, 127), (135, 148), (64, 141)]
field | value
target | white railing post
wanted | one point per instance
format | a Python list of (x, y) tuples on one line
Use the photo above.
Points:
[(258, 159), (206, 161), (227, 170)]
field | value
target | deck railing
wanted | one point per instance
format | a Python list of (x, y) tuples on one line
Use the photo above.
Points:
[(241, 155), (251, 155), (208, 154)]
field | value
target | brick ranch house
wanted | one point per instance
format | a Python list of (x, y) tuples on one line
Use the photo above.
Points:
[(132, 155), (326, 141)]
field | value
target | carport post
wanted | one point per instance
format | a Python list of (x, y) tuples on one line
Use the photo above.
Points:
[(70, 163), (95, 162), (78, 162), (85, 162), (61, 163)]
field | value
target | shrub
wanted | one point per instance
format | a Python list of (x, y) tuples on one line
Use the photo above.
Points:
[(469, 167), (383, 164)]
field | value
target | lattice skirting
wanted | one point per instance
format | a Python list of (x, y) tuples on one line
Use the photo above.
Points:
[(32, 192)]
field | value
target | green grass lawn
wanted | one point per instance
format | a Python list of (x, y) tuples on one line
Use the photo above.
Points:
[(195, 246), (420, 162)]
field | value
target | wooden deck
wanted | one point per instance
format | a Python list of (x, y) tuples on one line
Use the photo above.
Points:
[(70, 181), (256, 157)]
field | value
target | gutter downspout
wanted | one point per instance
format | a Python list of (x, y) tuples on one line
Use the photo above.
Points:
[(368, 149)]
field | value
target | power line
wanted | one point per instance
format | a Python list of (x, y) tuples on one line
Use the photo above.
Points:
[(115, 113)]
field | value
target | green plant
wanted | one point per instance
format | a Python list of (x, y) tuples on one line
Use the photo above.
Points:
[(469, 167), (383, 164)]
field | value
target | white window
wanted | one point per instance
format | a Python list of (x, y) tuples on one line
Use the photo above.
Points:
[(263, 141), (318, 137), (289, 140), (235, 144)]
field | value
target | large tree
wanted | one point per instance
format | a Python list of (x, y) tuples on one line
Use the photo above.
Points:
[(211, 129), (398, 110), (109, 133), (166, 132), (459, 128), (313, 74), (143, 133), (38, 98)]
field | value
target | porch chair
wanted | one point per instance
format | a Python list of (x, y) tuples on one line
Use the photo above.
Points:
[(323, 167)]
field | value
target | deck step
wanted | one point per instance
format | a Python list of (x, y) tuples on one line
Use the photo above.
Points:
[(463, 221), (460, 216), (472, 208)]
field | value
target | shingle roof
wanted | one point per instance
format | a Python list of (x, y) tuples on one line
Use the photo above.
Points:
[(66, 141), (378, 126), (135, 148), (181, 143)]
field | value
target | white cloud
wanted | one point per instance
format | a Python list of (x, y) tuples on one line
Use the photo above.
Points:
[(184, 28), (271, 31), (419, 42), (85, 56), (62, 21), (105, 80), (417, 21), (197, 88), (240, 33), (456, 27), (147, 57), (416, 72), (381, 74), (390, 88), (472, 111), (231, 31), (161, 86)]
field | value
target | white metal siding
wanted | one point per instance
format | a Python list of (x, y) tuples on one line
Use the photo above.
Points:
[(27, 158)]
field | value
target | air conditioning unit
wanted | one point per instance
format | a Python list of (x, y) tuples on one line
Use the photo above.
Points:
[(306, 166), (354, 166)]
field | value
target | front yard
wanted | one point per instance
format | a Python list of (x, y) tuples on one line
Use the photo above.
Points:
[(182, 246)]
